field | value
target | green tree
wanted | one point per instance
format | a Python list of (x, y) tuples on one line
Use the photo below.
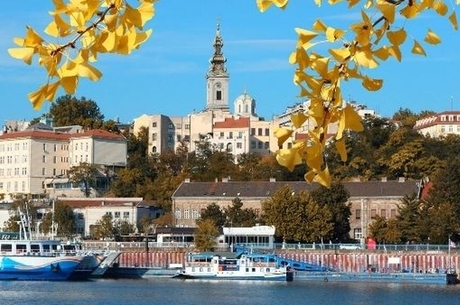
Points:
[(297, 217), (65, 219), (237, 216), (335, 200), (104, 227), (409, 215), (214, 212), (206, 234), (11, 224), (84, 174), (68, 110)]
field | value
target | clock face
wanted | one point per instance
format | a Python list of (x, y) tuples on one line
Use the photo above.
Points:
[(218, 85)]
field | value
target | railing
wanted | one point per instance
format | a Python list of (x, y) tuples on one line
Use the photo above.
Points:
[(425, 248)]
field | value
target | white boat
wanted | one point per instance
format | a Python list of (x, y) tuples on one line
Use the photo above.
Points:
[(233, 266), (24, 258)]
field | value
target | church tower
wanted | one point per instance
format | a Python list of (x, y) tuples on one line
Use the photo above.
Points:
[(217, 78)]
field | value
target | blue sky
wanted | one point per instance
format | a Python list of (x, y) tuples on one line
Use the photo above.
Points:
[(167, 74)]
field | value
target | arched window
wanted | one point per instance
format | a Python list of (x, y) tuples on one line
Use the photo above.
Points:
[(154, 149)]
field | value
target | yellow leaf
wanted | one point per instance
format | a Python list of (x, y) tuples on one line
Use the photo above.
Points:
[(51, 91), (323, 178), (300, 57), (341, 149), (263, 5), (318, 25), (309, 176), (320, 65), (88, 71), (411, 11), (288, 158), (305, 36), (298, 119), (418, 49), (58, 28), (32, 39), (440, 7), (397, 37), (334, 34), (25, 54), (348, 120), (352, 3), (37, 97), (69, 84), (382, 53), (372, 84), (432, 38), (363, 57), (395, 52), (453, 18), (109, 42), (282, 134), (341, 54), (387, 9)]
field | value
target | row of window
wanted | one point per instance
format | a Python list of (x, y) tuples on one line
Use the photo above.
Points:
[(450, 118), (373, 213), (450, 129), (6, 187), (55, 146), (116, 215), (13, 172), (14, 146), (171, 126), (13, 159)]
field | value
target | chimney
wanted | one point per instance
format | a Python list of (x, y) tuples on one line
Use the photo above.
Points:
[(384, 179), (224, 179), (402, 179), (187, 180), (272, 179)]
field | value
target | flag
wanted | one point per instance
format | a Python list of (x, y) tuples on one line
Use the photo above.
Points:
[(452, 244)]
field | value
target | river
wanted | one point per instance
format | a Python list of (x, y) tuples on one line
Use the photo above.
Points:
[(161, 291)]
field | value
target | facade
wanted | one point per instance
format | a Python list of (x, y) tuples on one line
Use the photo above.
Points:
[(28, 158), (439, 125), (89, 211), (368, 199)]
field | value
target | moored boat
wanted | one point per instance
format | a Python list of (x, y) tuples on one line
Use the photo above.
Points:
[(234, 266)]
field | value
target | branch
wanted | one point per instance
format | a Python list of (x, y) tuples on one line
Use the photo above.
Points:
[(71, 43)]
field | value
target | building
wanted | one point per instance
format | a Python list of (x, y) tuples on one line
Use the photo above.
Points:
[(439, 125), (368, 199), (32, 159), (89, 211)]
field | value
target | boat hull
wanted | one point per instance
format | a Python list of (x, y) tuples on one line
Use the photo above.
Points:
[(38, 268)]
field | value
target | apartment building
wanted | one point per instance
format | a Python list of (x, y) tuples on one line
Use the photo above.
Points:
[(439, 125), (38, 155)]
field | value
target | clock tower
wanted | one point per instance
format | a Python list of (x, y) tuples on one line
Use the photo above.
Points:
[(217, 78)]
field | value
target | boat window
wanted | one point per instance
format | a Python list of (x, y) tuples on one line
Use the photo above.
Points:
[(54, 247), (21, 248), (46, 248), (6, 248), (34, 248)]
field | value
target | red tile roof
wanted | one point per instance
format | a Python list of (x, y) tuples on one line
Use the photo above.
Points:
[(36, 134), (233, 123)]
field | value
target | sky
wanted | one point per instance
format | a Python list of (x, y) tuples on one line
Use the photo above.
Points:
[(167, 74)]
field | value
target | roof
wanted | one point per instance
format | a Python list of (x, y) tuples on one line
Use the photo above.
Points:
[(38, 134), (234, 189), (436, 120), (97, 133), (232, 123), (96, 202)]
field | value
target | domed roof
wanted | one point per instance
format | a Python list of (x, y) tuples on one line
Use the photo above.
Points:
[(245, 97)]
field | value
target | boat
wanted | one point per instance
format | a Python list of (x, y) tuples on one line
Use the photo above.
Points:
[(24, 258), (234, 266)]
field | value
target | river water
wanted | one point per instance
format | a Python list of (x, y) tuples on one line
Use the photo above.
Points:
[(160, 291)]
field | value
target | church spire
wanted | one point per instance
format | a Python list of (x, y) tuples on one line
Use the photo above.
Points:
[(218, 59)]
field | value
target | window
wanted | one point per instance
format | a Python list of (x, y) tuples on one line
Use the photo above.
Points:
[(373, 213), (383, 213), (154, 136), (358, 214), (267, 132), (239, 145), (54, 159), (177, 214), (44, 159), (358, 234), (170, 126), (195, 214), (260, 145), (187, 126), (393, 213), (125, 215), (43, 172), (179, 138), (253, 131), (267, 145), (259, 131), (218, 95), (55, 147), (230, 135), (154, 124), (117, 214), (253, 144), (186, 214), (44, 146)]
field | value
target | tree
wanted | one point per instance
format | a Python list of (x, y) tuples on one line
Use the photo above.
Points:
[(65, 219), (84, 174), (214, 213), (206, 234), (104, 227), (68, 110), (236, 216), (335, 200), (297, 217)]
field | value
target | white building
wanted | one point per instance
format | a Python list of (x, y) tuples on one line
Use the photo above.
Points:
[(439, 125), (28, 158)]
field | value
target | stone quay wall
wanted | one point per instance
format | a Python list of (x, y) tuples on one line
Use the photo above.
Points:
[(346, 261)]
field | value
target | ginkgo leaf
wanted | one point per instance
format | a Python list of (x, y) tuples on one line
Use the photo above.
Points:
[(263, 5), (323, 177), (341, 54), (372, 84), (37, 97), (432, 38), (282, 134), (364, 58), (395, 51), (298, 118), (86, 70), (349, 120), (411, 10), (300, 57), (320, 65), (32, 39), (309, 176), (341, 149), (69, 84), (382, 53), (440, 7), (387, 9), (288, 158), (305, 35), (58, 28), (319, 25), (333, 34), (397, 37), (418, 49), (26, 54), (453, 18)]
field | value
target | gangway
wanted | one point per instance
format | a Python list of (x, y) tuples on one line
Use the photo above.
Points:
[(106, 263), (300, 266)]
